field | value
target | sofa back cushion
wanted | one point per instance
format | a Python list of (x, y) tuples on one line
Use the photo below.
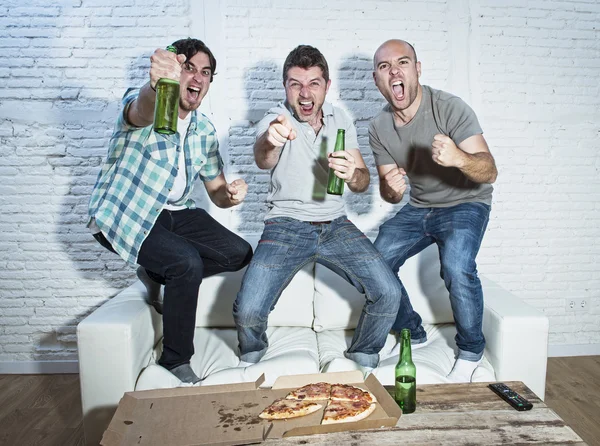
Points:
[(338, 304), (217, 294)]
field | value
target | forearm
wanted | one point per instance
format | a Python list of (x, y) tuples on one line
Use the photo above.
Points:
[(388, 194), (141, 111), (220, 197), (265, 154), (479, 167), (360, 180)]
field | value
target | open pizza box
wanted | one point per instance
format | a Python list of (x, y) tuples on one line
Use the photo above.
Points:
[(228, 414)]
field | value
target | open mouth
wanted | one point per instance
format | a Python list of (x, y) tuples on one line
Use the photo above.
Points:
[(398, 90), (306, 107), (193, 92)]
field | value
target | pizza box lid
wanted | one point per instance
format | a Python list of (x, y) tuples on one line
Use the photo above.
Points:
[(228, 414)]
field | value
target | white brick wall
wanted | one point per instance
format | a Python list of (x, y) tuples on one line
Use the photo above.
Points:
[(529, 69)]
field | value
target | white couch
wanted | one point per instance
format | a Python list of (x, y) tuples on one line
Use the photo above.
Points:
[(309, 330)]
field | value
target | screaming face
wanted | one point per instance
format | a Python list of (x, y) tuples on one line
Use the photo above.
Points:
[(397, 74), (305, 91), (193, 83)]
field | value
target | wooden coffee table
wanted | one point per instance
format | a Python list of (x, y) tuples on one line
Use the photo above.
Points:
[(459, 414)]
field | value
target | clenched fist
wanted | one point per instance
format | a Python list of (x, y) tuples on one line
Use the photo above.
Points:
[(236, 191), (280, 131), (445, 152), (395, 182), (166, 64)]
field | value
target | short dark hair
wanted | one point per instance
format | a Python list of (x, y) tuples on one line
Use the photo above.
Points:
[(190, 47), (305, 56)]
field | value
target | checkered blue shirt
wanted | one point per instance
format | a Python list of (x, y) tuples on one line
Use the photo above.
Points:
[(135, 180)]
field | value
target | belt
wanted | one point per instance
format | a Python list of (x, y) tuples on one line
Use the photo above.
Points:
[(320, 222)]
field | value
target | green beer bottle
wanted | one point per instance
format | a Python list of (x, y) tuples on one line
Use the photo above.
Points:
[(319, 188), (335, 185), (406, 376), (166, 106)]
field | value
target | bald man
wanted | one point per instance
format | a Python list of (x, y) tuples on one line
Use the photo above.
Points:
[(434, 139)]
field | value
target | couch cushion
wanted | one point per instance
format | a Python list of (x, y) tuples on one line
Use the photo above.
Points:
[(292, 350), (217, 294), (338, 304), (433, 360)]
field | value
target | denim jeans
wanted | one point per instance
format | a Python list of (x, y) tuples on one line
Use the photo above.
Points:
[(458, 231), (285, 247), (182, 248)]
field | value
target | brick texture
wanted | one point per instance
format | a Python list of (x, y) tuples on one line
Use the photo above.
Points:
[(529, 69)]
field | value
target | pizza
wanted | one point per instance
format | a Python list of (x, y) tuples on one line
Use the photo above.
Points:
[(345, 403), (347, 411), (311, 392), (346, 392), (283, 408)]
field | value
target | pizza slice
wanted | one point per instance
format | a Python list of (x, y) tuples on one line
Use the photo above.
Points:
[(346, 392), (347, 411), (311, 392), (283, 408)]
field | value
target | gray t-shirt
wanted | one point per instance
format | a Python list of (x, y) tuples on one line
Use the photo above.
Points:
[(299, 180), (409, 147)]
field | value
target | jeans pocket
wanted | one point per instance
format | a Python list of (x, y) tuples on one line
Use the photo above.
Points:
[(355, 243), (271, 254)]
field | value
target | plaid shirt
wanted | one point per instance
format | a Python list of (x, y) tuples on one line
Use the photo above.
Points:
[(135, 180)]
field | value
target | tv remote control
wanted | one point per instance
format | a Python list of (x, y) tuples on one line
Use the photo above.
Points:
[(510, 396)]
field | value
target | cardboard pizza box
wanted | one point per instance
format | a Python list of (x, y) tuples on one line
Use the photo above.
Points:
[(386, 414), (215, 415), (228, 414)]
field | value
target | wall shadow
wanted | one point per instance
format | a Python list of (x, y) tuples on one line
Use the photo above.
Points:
[(87, 124), (263, 85), (360, 97)]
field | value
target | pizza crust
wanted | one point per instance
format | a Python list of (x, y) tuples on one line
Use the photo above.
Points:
[(335, 412), (282, 409)]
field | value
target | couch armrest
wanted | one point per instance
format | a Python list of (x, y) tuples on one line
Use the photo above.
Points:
[(115, 343), (516, 338)]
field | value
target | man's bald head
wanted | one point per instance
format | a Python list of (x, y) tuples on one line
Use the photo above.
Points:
[(394, 43)]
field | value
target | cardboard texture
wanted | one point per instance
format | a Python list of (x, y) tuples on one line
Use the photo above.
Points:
[(228, 414)]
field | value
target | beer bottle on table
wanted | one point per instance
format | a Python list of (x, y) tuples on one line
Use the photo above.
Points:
[(166, 107), (406, 376), (335, 185)]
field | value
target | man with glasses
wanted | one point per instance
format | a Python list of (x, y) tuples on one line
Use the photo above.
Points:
[(141, 208)]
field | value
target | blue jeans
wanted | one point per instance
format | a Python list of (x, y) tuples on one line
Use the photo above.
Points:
[(458, 231), (286, 246)]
